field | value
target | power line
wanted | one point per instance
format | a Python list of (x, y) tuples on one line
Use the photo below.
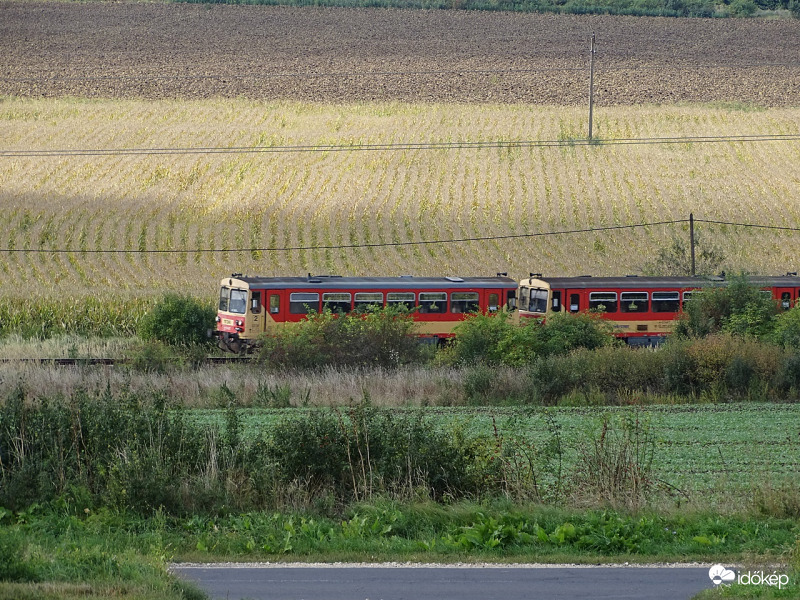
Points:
[(350, 246), (748, 225), (396, 244), (65, 152)]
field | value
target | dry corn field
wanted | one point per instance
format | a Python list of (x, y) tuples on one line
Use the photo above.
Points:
[(109, 77)]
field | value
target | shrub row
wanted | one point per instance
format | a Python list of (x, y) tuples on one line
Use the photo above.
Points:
[(720, 367), (128, 451), (651, 8), (136, 453)]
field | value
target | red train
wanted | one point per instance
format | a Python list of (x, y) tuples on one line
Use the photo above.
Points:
[(643, 310), (251, 306)]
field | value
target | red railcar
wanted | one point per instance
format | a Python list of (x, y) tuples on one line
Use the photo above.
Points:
[(643, 310), (252, 306)]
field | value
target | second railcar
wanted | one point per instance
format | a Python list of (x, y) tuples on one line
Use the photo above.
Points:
[(642, 310)]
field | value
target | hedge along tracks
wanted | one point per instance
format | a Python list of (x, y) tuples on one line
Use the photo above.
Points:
[(72, 362)]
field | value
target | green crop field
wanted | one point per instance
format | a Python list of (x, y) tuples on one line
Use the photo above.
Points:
[(709, 454)]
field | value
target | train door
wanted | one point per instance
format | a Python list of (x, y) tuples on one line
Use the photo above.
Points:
[(556, 300), (575, 301), (274, 308), (785, 298), (494, 301), (255, 314)]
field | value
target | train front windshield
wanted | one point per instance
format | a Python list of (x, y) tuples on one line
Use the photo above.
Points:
[(538, 302), (233, 300)]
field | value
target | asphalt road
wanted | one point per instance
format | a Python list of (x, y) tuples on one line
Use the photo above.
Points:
[(406, 582)]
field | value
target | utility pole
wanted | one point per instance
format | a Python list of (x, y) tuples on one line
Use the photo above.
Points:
[(691, 238), (591, 85)]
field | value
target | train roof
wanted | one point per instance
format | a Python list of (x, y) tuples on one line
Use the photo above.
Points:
[(636, 282), (404, 282)]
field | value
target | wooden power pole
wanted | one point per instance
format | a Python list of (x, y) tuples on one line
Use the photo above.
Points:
[(691, 239), (591, 85)]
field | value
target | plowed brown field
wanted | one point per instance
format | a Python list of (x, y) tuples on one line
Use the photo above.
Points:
[(346, 55)]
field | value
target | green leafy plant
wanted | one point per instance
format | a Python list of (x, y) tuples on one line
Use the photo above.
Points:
[(378, 337), (177, 319)]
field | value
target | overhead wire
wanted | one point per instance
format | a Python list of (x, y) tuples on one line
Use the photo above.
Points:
[(313, 148), (396, 244)]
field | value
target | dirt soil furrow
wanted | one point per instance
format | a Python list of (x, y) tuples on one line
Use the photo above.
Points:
[(150, 50)]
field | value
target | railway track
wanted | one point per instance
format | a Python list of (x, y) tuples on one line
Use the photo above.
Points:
[(68, 362)]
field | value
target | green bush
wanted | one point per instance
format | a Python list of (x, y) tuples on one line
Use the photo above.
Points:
[(179, 320), (742, 8), (362, 451), (497, 339), (126, 450), (562, 333), (151, 357), (13, 563), (739, 308), (787, 379), (382, 337), (485, 338), (787, 329)]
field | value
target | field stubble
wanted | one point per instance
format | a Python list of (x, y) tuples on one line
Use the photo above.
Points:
[(273, 213)]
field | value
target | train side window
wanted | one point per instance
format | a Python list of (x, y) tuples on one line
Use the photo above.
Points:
[(255, 302), (494, 302), (302, 303), (786, 301), (605, 301), (574, 303), (464, 302), (666, 302), (686, 297), (224, 298), (556, 305), (338, 302), (366, 301), (633, 302), (405, 299), (433, 302), (274, 304), (238, 303)]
